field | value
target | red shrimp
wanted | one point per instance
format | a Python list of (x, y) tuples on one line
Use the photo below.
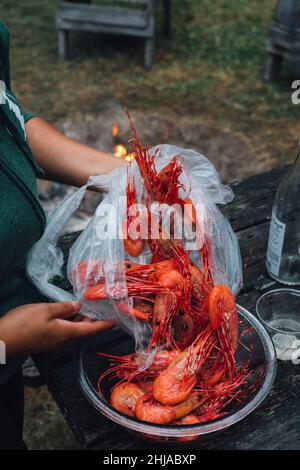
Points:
[(125, 396), (223, 318), (147, 409), (175, 383)]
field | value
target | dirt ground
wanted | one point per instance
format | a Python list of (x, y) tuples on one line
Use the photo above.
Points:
[(45, 427), (232, 153)]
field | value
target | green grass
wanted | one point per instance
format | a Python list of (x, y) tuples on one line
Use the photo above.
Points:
[(212, 67)]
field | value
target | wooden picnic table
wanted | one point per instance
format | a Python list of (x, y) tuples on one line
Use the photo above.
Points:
[(275, 424)]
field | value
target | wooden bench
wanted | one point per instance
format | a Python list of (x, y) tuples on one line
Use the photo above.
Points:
[(124, 17), (284, 39)]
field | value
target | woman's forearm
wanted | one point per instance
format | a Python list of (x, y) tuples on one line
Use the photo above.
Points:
[(64, 159)]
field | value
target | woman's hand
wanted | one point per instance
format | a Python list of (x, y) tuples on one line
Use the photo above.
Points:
[(42, 327)]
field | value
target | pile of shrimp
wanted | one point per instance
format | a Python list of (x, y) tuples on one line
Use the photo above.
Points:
[(193, 374)]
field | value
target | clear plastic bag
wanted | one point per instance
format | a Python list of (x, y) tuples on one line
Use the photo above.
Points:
[(98, 253)]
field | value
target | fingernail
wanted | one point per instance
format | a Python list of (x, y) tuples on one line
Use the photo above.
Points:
[(76, 305)]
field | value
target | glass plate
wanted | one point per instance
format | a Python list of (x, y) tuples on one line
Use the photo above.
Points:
[(263, 362)]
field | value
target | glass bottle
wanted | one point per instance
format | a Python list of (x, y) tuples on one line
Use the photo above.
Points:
[(283, 254)]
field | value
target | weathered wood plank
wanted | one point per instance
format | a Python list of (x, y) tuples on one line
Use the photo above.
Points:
[(167, 17), (253, 199), (141, 3), (106, 29), (62, 37), (253, 245), (102, 15), (149, 48)]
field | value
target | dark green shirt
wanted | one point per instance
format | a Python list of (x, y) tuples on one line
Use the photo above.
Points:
[(22, 217)]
